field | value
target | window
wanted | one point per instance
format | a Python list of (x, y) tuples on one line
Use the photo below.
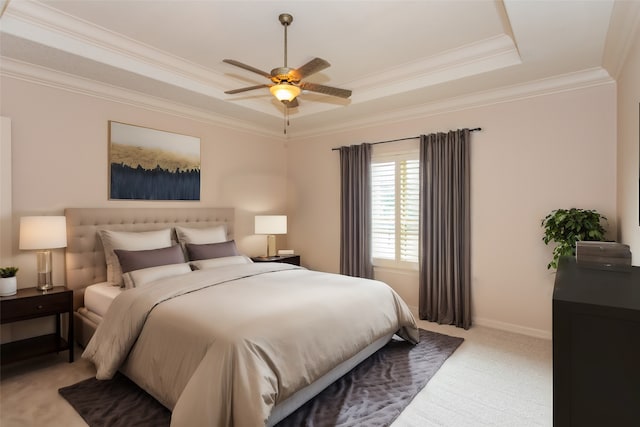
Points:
[(395, 206)]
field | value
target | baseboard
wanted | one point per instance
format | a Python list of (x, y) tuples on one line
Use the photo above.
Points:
[(496, 324), (510, 327)]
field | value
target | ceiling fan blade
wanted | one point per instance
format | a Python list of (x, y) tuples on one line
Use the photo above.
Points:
[(291, 104), (245, 89), (327, 90), (247, 67), (311, 67)]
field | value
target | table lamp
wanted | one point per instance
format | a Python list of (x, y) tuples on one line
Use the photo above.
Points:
[(271, 225), (43, 233)]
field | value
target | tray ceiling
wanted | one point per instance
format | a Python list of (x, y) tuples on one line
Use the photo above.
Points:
[(399, 57)]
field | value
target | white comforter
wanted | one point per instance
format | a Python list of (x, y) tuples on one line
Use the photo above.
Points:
[(221, 347)]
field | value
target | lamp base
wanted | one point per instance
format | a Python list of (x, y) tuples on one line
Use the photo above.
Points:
[(44, 271), (271, 245), (45, 286)]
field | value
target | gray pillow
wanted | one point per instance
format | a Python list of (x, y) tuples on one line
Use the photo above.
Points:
[(131, 241), (136, 260), (211, 250)]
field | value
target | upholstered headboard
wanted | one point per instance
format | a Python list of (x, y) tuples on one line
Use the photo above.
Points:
[(84, 260)]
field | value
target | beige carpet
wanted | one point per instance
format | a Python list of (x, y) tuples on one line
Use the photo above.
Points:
[(495, 378)]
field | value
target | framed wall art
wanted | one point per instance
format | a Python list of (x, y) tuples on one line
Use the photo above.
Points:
[(150, 164)]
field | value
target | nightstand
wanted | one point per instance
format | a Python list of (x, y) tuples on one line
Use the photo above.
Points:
[(30, 303), (288, 259)]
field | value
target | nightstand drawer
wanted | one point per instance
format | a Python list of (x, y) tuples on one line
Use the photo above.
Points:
[(27, 308)]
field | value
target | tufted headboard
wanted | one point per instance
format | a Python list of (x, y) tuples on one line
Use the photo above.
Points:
[(84, 259)]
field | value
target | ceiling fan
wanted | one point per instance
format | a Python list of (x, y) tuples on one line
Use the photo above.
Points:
[(287, 82)]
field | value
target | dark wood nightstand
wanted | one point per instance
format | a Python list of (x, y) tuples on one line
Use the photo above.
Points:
[(288, 259), (31, 303)]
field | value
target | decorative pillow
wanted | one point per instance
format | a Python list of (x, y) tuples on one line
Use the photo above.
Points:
[(206, 264), (137, 260), (132, 241), (137, 278), (201, 236), (211, 250)]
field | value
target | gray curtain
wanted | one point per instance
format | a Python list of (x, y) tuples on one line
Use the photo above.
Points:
[(445, 267), (355, 211)]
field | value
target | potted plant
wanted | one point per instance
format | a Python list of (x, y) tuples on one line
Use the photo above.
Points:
[(567, 226), (8, 283)]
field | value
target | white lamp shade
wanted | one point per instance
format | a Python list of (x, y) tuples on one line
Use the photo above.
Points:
[(43, 232), (285, 91), (271, 224)]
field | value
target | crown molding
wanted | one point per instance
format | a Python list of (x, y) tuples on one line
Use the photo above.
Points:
[(561, 83), (471, 59), (47, 26), (565, 82), (51, 78), (623, 32), (475, 58)]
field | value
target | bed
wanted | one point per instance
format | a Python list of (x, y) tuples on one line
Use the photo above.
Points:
[(239, 344)]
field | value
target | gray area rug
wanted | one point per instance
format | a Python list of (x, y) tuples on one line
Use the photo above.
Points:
[(372, 394)]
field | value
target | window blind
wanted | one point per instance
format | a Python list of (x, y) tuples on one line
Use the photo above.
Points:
[(409, 210), (395, 191), (383, 210)]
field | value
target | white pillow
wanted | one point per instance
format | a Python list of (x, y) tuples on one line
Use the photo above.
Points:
[(206, 264), (137, 278), (130, 241), (200, 236)]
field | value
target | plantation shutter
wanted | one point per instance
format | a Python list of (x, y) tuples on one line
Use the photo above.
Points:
[(395, 191), (409, 210), (383, 210)]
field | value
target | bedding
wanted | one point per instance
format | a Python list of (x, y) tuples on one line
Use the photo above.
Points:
[(201, 235), (211, 250), (133, 241), (219, 262), (137, 260), (223, 346), (143, 276), (98, 297)]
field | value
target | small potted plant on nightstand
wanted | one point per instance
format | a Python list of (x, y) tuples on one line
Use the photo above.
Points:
[(8, 283), (567, 226)]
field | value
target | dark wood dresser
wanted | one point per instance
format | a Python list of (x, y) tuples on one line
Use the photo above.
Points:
[(596, 346)]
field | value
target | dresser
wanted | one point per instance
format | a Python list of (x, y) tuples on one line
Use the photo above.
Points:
[(596, 346)]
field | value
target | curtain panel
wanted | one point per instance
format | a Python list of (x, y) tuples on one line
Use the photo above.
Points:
[(355, 211), (445, 266)]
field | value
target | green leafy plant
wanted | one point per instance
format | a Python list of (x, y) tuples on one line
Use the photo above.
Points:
[(8, 272), (567, 226)]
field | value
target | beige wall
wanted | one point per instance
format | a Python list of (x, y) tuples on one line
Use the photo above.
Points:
[(533, 155), (59, 159), (628, 151), (6, 232)]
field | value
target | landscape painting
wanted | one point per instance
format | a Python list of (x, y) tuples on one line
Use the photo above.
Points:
[(149, 164)]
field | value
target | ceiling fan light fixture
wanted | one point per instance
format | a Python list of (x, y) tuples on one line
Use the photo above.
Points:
[(285, 91)]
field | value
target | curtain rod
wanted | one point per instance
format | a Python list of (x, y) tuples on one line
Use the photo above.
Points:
[(402, 139)]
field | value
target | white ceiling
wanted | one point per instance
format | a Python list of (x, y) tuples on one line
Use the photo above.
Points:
[(400, 58)]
